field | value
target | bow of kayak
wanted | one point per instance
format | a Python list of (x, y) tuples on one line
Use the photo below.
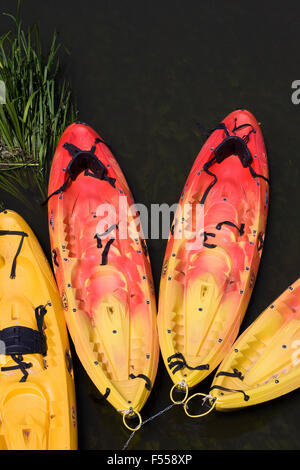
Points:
[(264, 363)]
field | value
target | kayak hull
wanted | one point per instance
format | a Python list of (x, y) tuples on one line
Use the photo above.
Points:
[(266, 355), (210, 267), (40, 412), (104, 276)]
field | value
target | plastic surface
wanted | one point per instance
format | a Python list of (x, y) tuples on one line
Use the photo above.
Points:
[(205, 290), (40, 413), (267, 355), (109, 303)]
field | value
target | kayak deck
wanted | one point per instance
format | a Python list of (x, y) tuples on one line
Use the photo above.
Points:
[(37, 396), (266, 355), (207, 282), (105, 279)]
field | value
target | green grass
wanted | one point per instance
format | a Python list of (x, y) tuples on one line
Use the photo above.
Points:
[(38, 108)]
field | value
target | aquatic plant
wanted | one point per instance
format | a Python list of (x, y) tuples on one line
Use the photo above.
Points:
[(38, 108)]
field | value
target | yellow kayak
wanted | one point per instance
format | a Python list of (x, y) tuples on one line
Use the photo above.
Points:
[(264, 363), (37, 396)]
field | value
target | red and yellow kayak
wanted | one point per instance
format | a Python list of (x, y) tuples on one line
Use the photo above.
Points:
[(37, 393), (104, 276), (210, 269), (264, 362)]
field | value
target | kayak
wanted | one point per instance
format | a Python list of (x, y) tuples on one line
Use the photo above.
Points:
[(213, 252), (103, 270), (264, 362), (37, 394)]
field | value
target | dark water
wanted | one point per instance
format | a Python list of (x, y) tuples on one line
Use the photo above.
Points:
[(143, 73)]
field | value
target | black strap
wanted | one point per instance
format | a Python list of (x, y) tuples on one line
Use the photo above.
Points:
[(241, 126), (105, 251), (221, 125), (40, 312), (219, 387), (205, 168), (110, 229), (231, 224), (218, 227), (103, 397), (236, 374), (21, 340), (59, 190), (99, 241), (14, 263), (206, 235), (256, 175), (83, 160), (20, 365), (99, 235), (181, 363), (107, 392), (246, 137), (142, 376), (231, 145)]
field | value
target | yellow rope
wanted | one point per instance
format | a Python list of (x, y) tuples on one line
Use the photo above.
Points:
[(181, 386), (131, 413), (201, 414)]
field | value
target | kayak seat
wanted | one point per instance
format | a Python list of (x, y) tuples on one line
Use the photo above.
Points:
[(25, 419)]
